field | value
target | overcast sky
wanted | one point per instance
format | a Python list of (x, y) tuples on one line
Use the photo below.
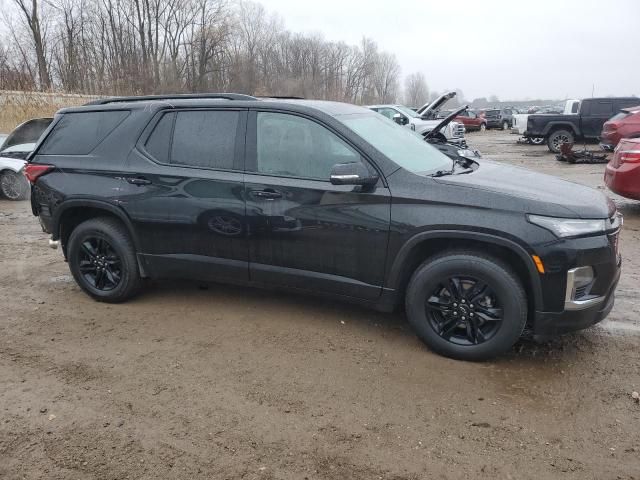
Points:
[(515, 49)]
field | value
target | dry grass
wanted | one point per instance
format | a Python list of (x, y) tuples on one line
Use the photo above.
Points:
[(17, 107)]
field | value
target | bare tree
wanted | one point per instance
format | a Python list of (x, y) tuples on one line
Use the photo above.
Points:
[(416, 92), (31, 14), (153, 46)]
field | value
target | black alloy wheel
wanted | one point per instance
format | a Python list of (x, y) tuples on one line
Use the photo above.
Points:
[(464, 311), (102, 259), (467, 305), (99, 263)]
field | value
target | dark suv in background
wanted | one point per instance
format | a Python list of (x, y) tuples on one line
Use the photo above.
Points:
[(325, 198), (499, 118)]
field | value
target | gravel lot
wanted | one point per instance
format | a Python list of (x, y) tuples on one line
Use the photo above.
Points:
[(225, 382)]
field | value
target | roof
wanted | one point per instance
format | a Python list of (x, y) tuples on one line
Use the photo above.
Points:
[(212, 100)]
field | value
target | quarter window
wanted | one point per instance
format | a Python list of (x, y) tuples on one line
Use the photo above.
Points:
[(292, 146), (79, 133)]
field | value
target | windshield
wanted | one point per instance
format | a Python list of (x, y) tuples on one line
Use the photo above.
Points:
[(407, 111), (401, 145)]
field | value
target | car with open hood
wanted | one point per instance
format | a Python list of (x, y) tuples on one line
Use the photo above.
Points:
[(13, 152), (328, 199), (424, 119)]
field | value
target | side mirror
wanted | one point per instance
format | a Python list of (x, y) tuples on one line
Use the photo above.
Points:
[(352, 174), (399, 119)]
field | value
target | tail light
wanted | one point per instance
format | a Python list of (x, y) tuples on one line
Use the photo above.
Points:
[(626, 152), (33, 171)]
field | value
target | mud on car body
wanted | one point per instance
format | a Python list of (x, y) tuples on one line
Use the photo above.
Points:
[(325, 198)]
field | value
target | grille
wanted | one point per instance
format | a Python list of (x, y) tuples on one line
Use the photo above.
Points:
[(581, 292)]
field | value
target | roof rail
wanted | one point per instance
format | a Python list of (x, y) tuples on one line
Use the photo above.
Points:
[(176, 96), (282, 97)]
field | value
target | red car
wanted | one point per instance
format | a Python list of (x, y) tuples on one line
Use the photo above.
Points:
[(472, 121), (622, 174), (625, 124)]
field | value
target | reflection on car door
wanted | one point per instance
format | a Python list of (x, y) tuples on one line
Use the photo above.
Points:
[(185, 195), (305, 232)]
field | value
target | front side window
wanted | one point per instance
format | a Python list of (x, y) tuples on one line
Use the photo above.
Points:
[(194, 138), (387, 112), (293, 146)]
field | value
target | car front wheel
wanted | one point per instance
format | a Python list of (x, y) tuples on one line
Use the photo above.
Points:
[(102, 260), (466, 305)]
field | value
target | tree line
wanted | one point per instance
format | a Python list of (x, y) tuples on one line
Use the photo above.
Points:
[(129, 47)]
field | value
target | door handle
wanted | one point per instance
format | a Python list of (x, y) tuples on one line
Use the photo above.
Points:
[(138, 181), (266, 194)]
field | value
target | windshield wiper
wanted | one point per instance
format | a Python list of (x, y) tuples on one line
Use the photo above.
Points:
[(463, 162)]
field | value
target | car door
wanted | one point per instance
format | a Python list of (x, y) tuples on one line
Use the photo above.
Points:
[(600, 111), (305, 232), (184, 194)]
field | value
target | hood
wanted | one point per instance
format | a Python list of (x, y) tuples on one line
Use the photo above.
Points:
[(544, 194), (428, 109), (445, 121)]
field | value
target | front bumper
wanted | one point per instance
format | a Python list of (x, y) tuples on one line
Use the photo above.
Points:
[(579, 315)]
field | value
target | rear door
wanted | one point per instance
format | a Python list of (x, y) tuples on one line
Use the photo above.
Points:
[(305, 232), (184, 194), (599, 112)]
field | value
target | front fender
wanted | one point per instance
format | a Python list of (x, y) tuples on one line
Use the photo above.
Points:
[(394, 278), (13, 164)]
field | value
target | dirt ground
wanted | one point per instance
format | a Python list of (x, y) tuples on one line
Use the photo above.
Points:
[(226, 382)]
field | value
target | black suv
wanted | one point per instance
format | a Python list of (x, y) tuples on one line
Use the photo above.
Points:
[(327, 198), (499, 118)]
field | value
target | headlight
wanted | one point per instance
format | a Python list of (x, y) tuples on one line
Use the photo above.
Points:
[(569, 227)]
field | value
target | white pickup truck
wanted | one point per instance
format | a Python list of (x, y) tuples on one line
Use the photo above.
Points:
[(571, 107)]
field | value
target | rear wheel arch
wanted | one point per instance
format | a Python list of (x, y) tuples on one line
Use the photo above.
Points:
[(72, 213), (430, 244), (554, 127)]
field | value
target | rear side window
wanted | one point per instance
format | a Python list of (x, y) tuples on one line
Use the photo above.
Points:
[(79, 133), (196, 138), (601, 108)]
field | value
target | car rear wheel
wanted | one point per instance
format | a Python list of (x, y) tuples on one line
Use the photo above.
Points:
[(557, 138), (14, 186), (102, 260), (466, 305)]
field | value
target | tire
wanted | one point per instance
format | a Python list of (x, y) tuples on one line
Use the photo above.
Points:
[(102, 260), (483, 127), (557, 138), (13, 186), (505, 125), (452, 336)]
